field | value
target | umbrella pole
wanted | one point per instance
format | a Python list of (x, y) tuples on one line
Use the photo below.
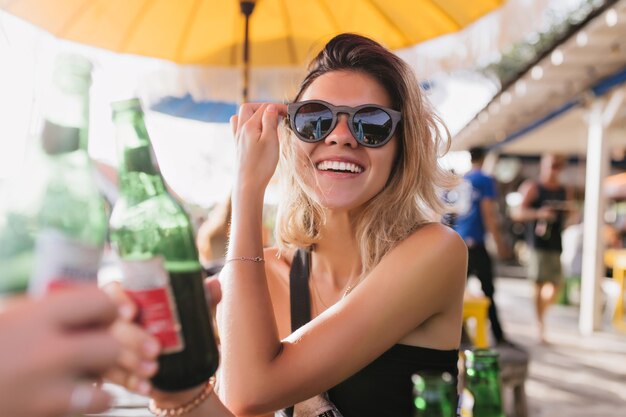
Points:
[(246, 8)]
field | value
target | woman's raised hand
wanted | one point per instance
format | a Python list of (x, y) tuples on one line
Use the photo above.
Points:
[(255, 129)]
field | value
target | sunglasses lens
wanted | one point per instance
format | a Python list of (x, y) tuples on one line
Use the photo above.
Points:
[(313, 121), (372, 126)]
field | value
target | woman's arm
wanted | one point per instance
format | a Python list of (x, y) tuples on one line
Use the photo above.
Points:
[(423, 277), (525, 212)]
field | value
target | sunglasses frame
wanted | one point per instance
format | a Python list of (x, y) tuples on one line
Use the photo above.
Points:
[(293, 108)]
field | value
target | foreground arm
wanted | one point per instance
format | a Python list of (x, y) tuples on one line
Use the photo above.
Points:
[(51, 351)]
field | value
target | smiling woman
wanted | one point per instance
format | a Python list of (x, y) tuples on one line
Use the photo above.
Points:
[(358, 164)]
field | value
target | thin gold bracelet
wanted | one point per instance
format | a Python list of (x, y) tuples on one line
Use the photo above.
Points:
[(246, 258), (188, 406)]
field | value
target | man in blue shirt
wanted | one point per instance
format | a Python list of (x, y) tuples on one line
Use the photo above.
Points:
[(477, 217)]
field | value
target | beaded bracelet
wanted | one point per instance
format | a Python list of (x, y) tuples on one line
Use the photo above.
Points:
[(246, 258), (188, 406)]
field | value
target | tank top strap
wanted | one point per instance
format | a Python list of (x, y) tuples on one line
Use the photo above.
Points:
[(299, 295)]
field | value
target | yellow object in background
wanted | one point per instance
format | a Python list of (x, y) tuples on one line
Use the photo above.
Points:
[(211, 32), (475, 307)]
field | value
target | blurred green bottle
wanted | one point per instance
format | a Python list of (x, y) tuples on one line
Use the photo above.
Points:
[(53, 220), (435, 394), (153, 237), (482, 380)]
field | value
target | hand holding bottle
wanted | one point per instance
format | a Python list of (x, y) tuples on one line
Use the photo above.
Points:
[(53, 348), (137, 364)]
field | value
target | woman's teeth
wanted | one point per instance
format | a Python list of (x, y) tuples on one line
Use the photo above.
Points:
[(339, 166)]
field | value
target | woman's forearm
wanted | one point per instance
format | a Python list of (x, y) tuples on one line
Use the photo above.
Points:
[(246, 320)]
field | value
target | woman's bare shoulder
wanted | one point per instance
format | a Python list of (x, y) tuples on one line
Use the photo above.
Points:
[(277, 262), (275, 256), (434, 245), (437, 236)]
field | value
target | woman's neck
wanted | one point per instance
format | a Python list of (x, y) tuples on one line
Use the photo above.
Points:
[(336, 256)]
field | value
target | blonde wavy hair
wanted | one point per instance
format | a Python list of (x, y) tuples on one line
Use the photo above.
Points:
[(411, 196)]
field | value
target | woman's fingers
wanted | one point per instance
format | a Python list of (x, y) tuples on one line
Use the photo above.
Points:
[(246, 111), (252, 116), (233, 124), (252, 126), (270, 119), (214, 290)]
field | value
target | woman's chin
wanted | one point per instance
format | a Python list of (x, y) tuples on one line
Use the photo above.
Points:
[(339, 202)]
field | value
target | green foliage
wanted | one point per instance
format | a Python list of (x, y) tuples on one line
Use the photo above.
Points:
[(515, 59)]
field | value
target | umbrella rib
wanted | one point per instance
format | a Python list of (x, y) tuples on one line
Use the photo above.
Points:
[(187, 29), (331, 16), (381, 10), (132, 27), (69, 22), (233, 47), (446, 14), (290, 39), (436, 4)]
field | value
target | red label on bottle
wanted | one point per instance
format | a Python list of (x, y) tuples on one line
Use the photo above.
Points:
[(60, 283), (156, 315), (148, 284)]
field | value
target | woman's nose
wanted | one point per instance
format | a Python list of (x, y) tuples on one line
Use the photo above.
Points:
[(341, 134)]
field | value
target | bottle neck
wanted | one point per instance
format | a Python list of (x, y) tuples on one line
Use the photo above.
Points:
[(65, 119), (139, 176)]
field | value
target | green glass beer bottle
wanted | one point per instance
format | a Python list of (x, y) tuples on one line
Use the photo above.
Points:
[(435, 394), (482, 379), (54, 221), (154, 240)]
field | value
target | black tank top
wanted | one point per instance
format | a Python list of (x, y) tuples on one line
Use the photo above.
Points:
[(384, 387), (547, 236)]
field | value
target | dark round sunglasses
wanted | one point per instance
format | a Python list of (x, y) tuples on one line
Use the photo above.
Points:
[(371, 125)]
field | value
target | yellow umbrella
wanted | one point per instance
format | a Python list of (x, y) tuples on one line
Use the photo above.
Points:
[(214, 32)]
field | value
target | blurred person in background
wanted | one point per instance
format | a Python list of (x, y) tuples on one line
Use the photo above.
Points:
[(545, 203), (212, 237), (478, 218)]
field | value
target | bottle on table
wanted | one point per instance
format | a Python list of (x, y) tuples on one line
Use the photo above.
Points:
[(435, 394), (482, 380), (53, 220), (153, 237)]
